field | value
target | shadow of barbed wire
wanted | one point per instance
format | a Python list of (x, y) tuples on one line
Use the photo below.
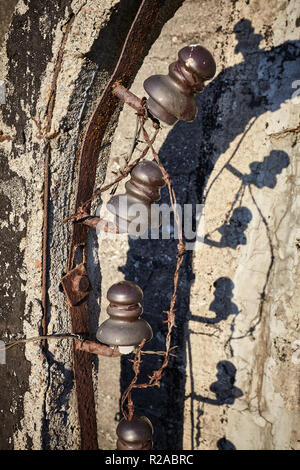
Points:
[(262, 295), (263, 174), (64, 375)]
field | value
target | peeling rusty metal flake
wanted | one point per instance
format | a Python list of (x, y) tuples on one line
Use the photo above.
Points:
[(76, 284)]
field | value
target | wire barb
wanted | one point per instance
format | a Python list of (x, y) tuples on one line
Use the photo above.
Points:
[(41, 338)]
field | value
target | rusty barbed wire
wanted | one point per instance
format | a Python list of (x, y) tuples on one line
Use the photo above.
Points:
[(156, 377)]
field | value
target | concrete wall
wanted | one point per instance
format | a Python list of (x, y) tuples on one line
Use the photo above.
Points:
[(235, 380)]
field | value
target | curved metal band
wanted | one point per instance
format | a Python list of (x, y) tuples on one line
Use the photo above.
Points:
[(126, 68)]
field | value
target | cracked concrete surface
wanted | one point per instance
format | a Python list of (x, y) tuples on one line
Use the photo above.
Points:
[(235, 380)]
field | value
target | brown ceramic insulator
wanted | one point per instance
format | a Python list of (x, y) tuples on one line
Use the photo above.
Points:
[(124, 327), (172, 96), (142, 190), (135, 434)]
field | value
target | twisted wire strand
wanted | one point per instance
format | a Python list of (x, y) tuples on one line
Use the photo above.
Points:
[(155, 378)]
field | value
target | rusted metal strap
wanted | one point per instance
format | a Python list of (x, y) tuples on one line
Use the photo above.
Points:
[(126, 68)]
